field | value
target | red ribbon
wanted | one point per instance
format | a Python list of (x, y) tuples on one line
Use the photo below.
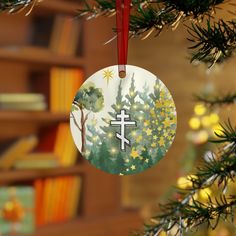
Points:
[(122, 25)]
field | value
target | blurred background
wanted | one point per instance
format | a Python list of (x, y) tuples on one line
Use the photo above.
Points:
[(46, 188)]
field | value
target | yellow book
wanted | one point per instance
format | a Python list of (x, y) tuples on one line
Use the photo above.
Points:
[(38, 156), (54, 90), (75, 197), (62, 203), (60, 143), (75, 37), (67, 198), (48, 200), (18, 149), (69, 89), (57, 196), (65, 154), (56, 33), (53, 191), (71, 152)]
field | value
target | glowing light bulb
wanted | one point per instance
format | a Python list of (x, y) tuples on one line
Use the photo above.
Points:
[(206, 121), (203, 136), (205, 193), (113, 150), (200, 109), (183, 182), (217, 129), (214, 118), (194, 123)]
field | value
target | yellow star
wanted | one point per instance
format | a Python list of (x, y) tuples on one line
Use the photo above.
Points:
[(107, 75), (146, 160), (165, 134), (162, 93), (134, 154), (127, 160), (168, 103), (149, 132), (158, 104), (121, 174), (167, 123), (172, 131), (141, 158), (146, 122), (161, 141), (153, 145), (152, 113), (133, 167), (155, 137), (139, 138)]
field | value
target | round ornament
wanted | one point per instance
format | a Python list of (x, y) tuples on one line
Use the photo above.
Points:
[(123, 126)]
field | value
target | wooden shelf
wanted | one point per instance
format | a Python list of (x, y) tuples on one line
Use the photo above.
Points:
[(121, 223), (23, 175), (60, 6), (36, 55), (33, 116)]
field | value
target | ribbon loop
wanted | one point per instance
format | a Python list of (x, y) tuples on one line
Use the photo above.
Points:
[(122, 25)]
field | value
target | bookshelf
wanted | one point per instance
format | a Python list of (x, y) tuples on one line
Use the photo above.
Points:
[(34, 55), (17, 176), (62, 6), (33, 116), (100, 211)]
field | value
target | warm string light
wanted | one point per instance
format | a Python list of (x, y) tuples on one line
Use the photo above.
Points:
[(203, 123)]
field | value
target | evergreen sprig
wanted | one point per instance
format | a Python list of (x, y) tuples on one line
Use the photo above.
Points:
[(13, 6), (227, 99), (154, 15), (214, 43), (180, 218), (187, 213), (227, 134)]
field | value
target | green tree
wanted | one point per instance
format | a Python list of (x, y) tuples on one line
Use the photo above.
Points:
[(108, 130), (88, 98), (104, 158)]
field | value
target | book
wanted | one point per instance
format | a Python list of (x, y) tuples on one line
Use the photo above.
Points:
[(73, 204), (39, 185), (59, 142), (36, 161), (24, 106), (19, 148), (65, 37), (64, 83), (17, 206), (21, 98), (22, 101), (36, 164), (58, 197)]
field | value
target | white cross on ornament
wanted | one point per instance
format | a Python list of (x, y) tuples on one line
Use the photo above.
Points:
[(123, 120)]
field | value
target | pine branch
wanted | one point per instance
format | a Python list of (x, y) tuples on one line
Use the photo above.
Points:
[(227, 134), (214, 43), (180, 217), (228, 99), (13, 6), (153, 15), (187, 213)]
